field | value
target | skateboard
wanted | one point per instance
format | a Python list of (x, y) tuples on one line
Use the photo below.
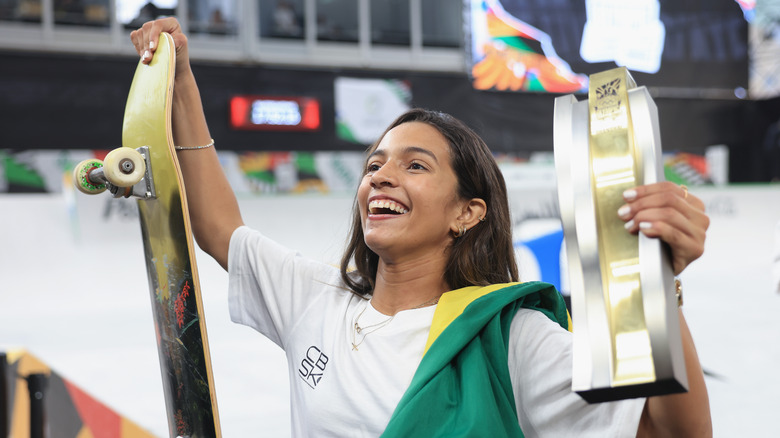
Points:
[(146, 168)]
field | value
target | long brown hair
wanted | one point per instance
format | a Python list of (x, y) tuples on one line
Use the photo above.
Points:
[(484, 255)]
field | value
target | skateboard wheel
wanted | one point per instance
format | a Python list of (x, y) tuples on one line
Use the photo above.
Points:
[(124, 167), (81, 179)]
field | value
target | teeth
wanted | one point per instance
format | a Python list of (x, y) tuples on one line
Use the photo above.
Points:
[(384, 203)]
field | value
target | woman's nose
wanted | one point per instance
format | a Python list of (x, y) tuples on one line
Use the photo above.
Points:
[(383, 177)]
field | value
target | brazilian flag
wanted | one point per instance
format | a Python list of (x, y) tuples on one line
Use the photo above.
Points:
[(462, 385)]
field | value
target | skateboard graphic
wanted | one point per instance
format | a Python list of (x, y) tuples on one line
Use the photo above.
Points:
[(146, 168)]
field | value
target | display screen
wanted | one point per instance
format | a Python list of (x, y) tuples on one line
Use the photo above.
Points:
[(552, 46), (274, 113)]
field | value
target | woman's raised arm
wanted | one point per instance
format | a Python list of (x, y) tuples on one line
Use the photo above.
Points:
[(214, 211)]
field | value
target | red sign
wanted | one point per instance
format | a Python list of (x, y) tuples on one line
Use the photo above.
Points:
[(274, 113)]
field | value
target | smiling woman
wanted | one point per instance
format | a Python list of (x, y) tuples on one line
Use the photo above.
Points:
[(473, 234), (456, 346)]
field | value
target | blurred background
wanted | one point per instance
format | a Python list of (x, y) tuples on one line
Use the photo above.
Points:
[(294, 91)]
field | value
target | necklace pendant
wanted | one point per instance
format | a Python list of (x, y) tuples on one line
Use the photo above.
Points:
[(357, 328), (354, 347)]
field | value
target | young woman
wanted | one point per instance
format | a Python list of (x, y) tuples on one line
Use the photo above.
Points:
[(427, 336)]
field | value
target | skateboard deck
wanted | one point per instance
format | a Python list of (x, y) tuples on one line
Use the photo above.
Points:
[(168, 248), (179, 323)]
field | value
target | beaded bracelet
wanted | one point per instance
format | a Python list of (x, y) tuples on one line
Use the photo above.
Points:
[(184, 148)]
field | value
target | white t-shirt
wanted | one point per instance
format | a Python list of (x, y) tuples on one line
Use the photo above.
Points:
[(339, 391)]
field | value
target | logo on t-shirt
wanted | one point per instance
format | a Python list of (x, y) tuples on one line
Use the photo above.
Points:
[(313, 366)]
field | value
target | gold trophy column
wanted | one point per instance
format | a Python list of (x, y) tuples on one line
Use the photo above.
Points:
[(614, 170)]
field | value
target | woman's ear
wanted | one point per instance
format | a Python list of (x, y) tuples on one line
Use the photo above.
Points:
[(472, 212)]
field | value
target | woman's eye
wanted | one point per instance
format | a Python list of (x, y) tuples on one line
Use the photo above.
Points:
[(373, 167), (416, 166)]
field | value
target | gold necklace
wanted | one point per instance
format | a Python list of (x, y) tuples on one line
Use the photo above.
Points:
[(430, 302), (358, 330), (362, 330)]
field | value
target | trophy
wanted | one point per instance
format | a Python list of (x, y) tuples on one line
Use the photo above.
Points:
[(625, 319)]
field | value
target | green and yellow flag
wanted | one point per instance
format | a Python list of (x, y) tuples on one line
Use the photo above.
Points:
[(462, 386)]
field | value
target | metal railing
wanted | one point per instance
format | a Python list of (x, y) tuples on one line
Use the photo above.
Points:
[(39, 26)]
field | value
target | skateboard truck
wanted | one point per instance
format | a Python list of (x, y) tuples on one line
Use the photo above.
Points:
[(124, 173)]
